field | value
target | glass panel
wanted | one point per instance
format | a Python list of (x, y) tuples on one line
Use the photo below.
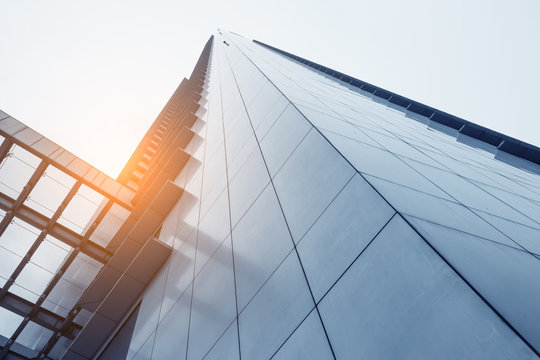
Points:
[(51, 254), (284, 136), (490, 267), (145, 352), (82, 209), (247, 184), (276, 310), (261, 242), (34, 336), (109, 226), (50, 191), (310, 179), (9, 322), (60, 348), (238, 137), (34, 279), (15, 171), (307, 342), (431, 208), (213, 229), (399, 297), (19, 237), (265, 109), (213, 307), (72, 284), (181, 265), (172, 332), (227, 345), (383, 164), (470, 194), (351, 221), (8, 264), (37, 274)]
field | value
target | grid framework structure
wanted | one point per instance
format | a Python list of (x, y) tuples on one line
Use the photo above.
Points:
[(77, 246)]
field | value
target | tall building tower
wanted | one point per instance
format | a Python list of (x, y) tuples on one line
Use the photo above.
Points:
[(280, 209)]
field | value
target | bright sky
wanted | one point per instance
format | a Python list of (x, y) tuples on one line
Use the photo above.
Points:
[(93, 75)]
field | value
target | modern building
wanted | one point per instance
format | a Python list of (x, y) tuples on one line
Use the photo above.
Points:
[(280, 209)]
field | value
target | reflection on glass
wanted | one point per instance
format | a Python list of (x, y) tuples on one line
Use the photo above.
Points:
[(15, 171), (18, 237), (50, 191), (34, 336), (10, 322), (82, 209), (60, 348), (72, 284), (110, 224)]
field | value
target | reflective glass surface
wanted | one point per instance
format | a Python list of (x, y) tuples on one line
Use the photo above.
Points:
[(412, 305), (315, 196)]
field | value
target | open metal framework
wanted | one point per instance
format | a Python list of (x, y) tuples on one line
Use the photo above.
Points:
[(77, 247)]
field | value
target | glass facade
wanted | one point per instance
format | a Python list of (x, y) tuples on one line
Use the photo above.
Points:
[(318, 220), (330, 223)]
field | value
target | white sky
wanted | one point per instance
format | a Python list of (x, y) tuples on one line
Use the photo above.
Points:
[(93, 75)]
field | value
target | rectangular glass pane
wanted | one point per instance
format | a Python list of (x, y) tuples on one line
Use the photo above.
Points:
[(18, 237), (15, 171), (50, 191), (34, 336), (82, 209), (9, 322), (110, 224), (71, 286)]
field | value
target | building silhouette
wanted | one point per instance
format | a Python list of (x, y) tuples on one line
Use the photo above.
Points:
[(280, 209)]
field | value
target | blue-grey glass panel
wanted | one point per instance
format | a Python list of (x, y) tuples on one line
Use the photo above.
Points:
[(526, 236), (214, 181), (250, 80), (247, 184), (383, 164), (470, 194), (447, 213), (238, 136), (60, 348), (145, 352), (400, 300), (309, 181), (335, 125), (350, 222), (506, 277), (189, 205), (119, 345), (213, 229), (214, 306), (284, 136), (518, 201), (308, 342), (261, 241), (181, 268), (148, 316), (8, 325), (34, 336), (227, 346), (72, 284), (275, 311), (172, 332), (243, 155), (265, 108)]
